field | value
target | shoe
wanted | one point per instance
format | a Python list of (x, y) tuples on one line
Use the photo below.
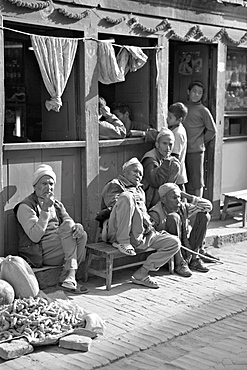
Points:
[(198, 265), (183, 269), (146, 281), (127, 249), (72, 287), (207, 257)]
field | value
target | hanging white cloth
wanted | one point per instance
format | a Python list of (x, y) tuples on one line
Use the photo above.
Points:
[(108, 68), (55, 57), (113, 69), (131, 58)]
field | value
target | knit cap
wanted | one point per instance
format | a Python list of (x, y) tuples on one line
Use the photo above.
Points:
[(130, 163), (165, 188), (42, 170)]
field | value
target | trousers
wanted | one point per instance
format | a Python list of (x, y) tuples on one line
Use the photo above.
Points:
[(60, 248), (198, 232), (126, 226)]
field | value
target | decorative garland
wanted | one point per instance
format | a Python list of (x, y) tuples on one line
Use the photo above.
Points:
[(75, 16), (134, 23), (25, 4), (194, 33), (114, 21)]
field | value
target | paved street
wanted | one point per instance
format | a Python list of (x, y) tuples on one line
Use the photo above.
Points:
[(185, 324), (215, 346)]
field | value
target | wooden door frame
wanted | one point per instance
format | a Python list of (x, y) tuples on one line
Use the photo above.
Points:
[(216, 92), (2, 109)]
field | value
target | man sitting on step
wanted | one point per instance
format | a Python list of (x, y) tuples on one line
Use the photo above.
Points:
[(186, 216), (47, 234), (129, 227)]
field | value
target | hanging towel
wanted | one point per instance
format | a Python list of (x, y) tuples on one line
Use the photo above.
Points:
[(109, 71), (131, 58)]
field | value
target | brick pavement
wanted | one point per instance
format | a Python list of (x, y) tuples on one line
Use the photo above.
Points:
[(219, 345), (138, 318)]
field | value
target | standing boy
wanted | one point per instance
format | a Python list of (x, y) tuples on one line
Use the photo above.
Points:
[(176, 115), (200, 128)]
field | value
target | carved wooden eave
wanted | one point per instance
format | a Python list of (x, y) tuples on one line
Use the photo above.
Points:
[(202, 12)]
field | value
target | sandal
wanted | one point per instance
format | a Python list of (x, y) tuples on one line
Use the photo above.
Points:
[(146, 281), (71, 286), (127, 249)]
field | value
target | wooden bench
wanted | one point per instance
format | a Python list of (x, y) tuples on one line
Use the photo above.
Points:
[(110, 259), (235, 197)]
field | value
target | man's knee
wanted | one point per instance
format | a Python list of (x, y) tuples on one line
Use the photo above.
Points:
[(173, 223), (173, 217), (203, 218), (171, 242), (126, 197), (67, 225), (83, 238)]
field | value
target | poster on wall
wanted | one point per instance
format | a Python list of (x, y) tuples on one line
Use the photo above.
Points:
[(190, 63)]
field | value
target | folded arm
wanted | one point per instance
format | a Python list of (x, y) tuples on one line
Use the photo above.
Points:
[(157, 175)]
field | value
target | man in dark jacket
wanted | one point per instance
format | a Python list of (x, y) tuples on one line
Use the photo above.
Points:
[(159, 166)]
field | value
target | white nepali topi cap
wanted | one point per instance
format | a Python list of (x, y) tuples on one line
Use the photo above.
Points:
[(165, 188), (130, 163), (43, 170)]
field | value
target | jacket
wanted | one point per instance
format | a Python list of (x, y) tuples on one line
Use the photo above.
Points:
[(29, 250)]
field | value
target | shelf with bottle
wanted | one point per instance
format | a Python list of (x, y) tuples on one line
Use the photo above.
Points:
[(13, 66), (13, 73), (235, 126)]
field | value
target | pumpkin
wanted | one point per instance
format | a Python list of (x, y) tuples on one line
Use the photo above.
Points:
[(7, 293), (16, 271)]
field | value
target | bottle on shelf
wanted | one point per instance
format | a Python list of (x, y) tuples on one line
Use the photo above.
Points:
[(235, 72), (228, 70)]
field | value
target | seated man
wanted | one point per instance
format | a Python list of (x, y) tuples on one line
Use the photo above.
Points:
[(186, 216), (129, 226), (159, 166), (110, 127), (47, 234), (133, 128)]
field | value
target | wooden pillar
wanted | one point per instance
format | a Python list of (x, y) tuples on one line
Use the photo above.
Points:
[(90, 157), (1, 138), (220, 102), (162, 81)]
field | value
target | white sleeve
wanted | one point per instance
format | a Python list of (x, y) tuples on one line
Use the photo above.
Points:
[(33, 226)]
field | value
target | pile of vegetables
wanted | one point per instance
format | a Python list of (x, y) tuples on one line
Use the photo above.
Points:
[(39, 320), (23, 312)]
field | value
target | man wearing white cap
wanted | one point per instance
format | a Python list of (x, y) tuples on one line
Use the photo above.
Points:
[(129, 225), (186, 216), (47, 234), (159, 166)]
